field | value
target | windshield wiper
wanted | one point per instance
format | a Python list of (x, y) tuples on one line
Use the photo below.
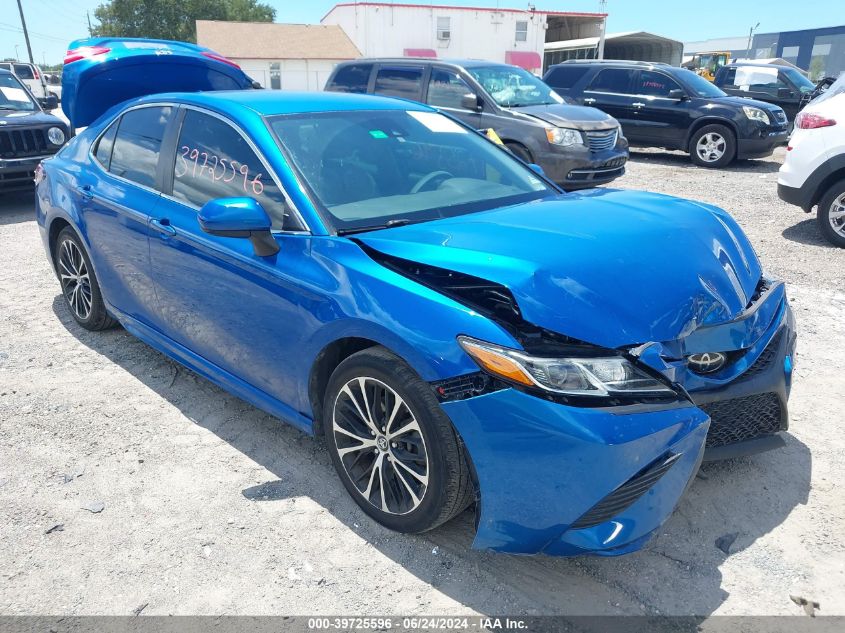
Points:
[(375, 227)]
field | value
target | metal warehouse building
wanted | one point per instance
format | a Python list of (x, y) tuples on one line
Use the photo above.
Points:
[(820, 52)]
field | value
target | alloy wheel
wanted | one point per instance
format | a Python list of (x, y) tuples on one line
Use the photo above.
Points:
[(711, 147), (836, 216), (76, 284), (380, 444)]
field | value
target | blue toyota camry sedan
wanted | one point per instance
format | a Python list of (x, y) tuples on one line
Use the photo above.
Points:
[(457, 329)]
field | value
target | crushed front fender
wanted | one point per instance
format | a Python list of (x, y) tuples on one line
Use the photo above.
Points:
[(542, 466)]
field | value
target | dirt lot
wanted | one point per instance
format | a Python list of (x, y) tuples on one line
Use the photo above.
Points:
[(211, 506)]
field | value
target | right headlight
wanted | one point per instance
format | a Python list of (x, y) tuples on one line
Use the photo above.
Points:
[(576, 376), (564, 136), (756, 114)]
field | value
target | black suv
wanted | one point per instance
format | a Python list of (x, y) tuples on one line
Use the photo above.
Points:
[(784, 86), (576, 147), (665, 106), (27, 133)]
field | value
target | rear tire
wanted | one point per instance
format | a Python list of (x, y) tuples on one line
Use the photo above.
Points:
[(712, 146), (80, 289), (392, 445), (831, 214)]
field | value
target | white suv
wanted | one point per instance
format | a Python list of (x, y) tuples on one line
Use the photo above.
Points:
[(814, 170), (30, 75)]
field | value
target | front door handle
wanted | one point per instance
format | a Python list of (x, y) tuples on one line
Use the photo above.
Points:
[(589, 101), (638, 104), (163, 226), (86, 191)]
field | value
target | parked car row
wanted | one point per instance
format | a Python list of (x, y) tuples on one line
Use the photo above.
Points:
[(30, 75)]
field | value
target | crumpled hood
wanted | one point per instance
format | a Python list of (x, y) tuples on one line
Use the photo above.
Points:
[(562, 115), (612, 268), (10, 119)]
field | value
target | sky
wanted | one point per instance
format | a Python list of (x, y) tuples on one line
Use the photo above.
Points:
[(54, 23)]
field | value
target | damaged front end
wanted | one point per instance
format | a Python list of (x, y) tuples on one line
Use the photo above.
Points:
[(585, 432)]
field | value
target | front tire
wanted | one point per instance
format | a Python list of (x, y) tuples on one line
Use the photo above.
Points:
[(392, 445), (80, 289), (712, 146), (831, 214)]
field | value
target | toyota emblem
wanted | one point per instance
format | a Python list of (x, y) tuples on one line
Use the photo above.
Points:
[(707, 362)]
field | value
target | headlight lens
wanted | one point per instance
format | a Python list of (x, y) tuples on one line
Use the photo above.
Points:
[(604, 376), (55, 135), (564, 136), (756, 114)]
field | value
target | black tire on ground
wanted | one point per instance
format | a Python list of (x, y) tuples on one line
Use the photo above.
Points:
[(725, 144), (520, 151), (86, 306), (834, 196), (449, 488)]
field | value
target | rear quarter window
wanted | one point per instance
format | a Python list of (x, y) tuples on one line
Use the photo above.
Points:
[(351, 78), (24, 71), (564, 77)]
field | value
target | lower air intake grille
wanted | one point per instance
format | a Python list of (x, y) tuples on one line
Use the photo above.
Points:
[(626, 494), (742, 419), (765, 358)]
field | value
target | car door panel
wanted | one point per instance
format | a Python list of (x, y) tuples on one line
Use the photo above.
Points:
[(661, 120), (609, 90), (241, 312)]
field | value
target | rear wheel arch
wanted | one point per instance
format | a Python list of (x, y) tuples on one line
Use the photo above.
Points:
[(56, 227), (837, 173)]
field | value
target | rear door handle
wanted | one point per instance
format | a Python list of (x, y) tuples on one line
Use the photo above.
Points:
[(86, 191), (163, 226), (589, 101), (638, 104)]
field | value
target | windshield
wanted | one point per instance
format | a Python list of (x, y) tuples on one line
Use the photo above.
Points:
[(381, 168), (512, 87), (699, 85), (799, 80), (13, 96)]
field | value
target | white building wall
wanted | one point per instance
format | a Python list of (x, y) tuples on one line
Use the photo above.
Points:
[(295, 74), (384, 31)]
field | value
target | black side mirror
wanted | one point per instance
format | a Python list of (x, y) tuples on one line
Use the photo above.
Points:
[(678, 94), (239, 217), (785, 93), (50, 102), (472, 102)]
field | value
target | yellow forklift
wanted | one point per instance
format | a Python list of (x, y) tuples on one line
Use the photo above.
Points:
[(706, 64)]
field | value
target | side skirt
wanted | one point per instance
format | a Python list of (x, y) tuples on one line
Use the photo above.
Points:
[(213, 373)]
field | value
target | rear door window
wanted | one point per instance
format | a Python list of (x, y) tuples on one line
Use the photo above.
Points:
[(400, 81), (446, 89), (214, 161), (616, 80), (654, 84), (351, 78), (24, 71), (137, 144)]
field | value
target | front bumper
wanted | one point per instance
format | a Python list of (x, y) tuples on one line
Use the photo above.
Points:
[(762, 141), (579, 167), (19, 173), (542, 467)]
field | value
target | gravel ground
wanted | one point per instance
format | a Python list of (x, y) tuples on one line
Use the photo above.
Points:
[(210, 506)]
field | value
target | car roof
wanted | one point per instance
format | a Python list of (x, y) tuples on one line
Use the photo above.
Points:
[(463, 63), (273, 102)]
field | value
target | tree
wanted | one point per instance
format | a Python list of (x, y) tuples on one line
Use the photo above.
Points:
[(173, 19)]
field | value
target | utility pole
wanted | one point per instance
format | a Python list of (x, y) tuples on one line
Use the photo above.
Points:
[(25, 33), (90, 30), (750, 35), (603, 9)]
